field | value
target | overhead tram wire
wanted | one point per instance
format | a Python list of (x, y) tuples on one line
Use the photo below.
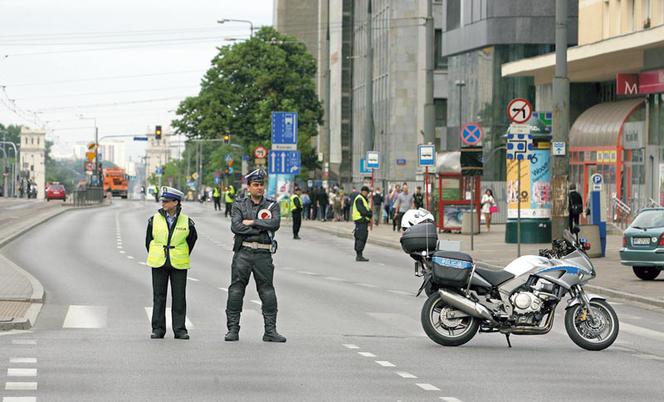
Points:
[(103, 78), (91, 94), (111, 104)]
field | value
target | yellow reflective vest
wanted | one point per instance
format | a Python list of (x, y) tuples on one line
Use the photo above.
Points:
[(228, 194), (178, 249), (357, 217), (292, 203), (215, 192)]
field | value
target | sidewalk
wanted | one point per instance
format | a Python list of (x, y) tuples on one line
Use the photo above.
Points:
[(613, 279), (21, 295)]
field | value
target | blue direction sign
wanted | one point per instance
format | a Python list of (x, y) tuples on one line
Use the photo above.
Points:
[(363, 167), (284, 128), (138, 138), (284, 162), (472, 134)]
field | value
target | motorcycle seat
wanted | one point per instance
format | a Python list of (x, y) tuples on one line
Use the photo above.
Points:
[(494, 277)]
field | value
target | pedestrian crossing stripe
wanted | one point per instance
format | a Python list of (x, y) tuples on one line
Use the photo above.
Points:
[(169, 318)]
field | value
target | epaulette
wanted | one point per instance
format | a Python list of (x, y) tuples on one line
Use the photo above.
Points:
[(270, 199)]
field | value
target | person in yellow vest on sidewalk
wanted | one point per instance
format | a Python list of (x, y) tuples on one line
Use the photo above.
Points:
[(296, 212), (216, 196), (361, 216), (170, 238), (229, 197)]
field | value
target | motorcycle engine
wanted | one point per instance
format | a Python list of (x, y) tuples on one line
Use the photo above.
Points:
[(526, 302)]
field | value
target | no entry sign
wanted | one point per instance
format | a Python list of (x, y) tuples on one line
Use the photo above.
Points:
[(519, 110)]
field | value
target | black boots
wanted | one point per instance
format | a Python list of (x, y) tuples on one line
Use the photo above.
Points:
[(233, 324), (361, 258), (271, 334)]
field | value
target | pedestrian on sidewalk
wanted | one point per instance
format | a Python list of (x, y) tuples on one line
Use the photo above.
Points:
[(377, 199), (418, 198), (254, 221), (346, 206), (361, 216), (575, 206), (393, 203), (306, 205), (403, 203), (314, 203), (169, 239), (216, 196), (323, 203), (489, 207), (296, 212)]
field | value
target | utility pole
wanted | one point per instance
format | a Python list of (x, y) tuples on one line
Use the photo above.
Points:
[(427, 67), (368, 85), (560, 124)]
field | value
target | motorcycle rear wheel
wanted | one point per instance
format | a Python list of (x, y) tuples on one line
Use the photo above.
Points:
[(445, 331), (589, 335)]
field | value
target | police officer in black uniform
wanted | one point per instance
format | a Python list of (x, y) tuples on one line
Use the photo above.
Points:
[(254, 220), (361, 216)]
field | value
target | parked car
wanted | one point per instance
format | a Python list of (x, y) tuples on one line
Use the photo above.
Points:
[(56, 192), (643, 244)]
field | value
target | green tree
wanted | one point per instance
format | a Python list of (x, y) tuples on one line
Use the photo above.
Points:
[(245, 84)]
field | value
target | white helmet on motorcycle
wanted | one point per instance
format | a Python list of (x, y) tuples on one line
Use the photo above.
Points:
[(413, 217)]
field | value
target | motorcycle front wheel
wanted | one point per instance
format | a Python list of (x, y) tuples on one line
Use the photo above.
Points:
[(443, 329), (592, 333)]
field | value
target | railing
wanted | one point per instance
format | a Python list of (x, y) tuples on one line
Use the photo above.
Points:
[(653, 204), (623, 213), (89, 196)]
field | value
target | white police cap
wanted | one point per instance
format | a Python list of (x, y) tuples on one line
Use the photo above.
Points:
[(171, 193)]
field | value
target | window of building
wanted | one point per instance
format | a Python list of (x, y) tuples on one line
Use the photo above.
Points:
[(645, 13), (440, 62), (440, 112), (32, 140), (453, 14)]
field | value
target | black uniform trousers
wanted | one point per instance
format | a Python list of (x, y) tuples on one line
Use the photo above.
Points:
[(573, 220), (160, 278), (217, 203), (361, 235), (297, 223), (245, 262), (227, 212)]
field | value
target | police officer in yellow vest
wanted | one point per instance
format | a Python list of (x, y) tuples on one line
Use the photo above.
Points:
[(216, 196), (296, 212), (229, 197), (170, 238), (361, 216)]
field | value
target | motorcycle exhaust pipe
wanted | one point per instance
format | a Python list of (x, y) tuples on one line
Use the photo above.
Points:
[(467, 306)]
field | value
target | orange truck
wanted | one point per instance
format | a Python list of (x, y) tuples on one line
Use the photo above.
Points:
[(116, 182)]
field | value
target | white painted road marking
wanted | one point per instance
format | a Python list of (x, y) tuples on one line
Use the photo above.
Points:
[(351, 346), (130, 257), (223, 289), (21, 386), (256, 302), (399, 292), (308, 273), (86, 317), (142, 263), (19, 399), (21, 372), (366, 354), (23, 360), (169, 318), (428, 387), (24, 342), (645, 332), (385, 363), (334, 278), (405, 374), (367, 285), (122, 251), (193, 279), (449, 399)]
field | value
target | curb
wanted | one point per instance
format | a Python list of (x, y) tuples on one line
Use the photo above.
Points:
[(617, 294), (37, 297)]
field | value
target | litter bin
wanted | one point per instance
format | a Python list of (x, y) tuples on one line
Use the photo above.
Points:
[(465, 225), (591, 234)]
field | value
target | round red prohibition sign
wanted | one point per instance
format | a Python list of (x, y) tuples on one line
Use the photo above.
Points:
[(519, 110), (260, 152)]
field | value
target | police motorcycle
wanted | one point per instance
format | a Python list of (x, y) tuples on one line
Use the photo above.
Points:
[(464, 297)]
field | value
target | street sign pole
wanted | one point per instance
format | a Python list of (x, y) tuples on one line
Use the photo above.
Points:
[(373, 176), (518, 208), (426, 187), (473, 213)]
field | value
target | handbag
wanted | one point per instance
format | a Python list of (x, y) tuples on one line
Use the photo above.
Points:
[(493, 209)]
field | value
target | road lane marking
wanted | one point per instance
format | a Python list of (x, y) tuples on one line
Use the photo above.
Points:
[(449, 399), (21, 372), (256, 302), (130, 257), (24, 342), (193, 279), (385, 363), (223, 289), (648, 356), (366, 285), (428, 387), (334, 278), (119, 246), (351, 346), (405, 374), (645, 332), (86, 317), (142, 263), (308, 273), (19, 399), (366, 354), (23, 360), (169, 318), (399, 292), (21, 386), (122, 251)]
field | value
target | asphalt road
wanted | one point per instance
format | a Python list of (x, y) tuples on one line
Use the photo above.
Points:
[(353, 328)]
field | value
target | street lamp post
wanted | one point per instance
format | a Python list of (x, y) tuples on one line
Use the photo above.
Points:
[(96, 173), (251, 24), (460, 84)]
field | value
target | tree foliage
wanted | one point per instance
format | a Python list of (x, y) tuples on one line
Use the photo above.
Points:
[(245, 84)]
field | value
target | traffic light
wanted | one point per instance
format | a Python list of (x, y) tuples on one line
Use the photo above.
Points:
[(157, 132), (227, 138)]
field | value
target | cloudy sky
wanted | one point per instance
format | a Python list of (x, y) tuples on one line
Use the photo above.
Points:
[(127, 63)]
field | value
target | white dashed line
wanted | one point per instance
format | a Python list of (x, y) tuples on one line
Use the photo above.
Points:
[(648, 357), (256, 302), (193, 279), (307, 273), (428, 387), (366, 354), (122, 251), (19, 399), (119, 246), (130, 257), (21, 386), (23, 360), (367, 285), (24, 342), (449, 399), (399, 292), (142, 263), (334, 278), (405, 374), (223, 289), (21, 372), (385, 363), (351, 346)]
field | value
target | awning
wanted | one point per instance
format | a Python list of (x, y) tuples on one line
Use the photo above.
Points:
[(600, 125)]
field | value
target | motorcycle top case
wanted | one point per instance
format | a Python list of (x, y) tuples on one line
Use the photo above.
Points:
[(420, 237), (451, 268)]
